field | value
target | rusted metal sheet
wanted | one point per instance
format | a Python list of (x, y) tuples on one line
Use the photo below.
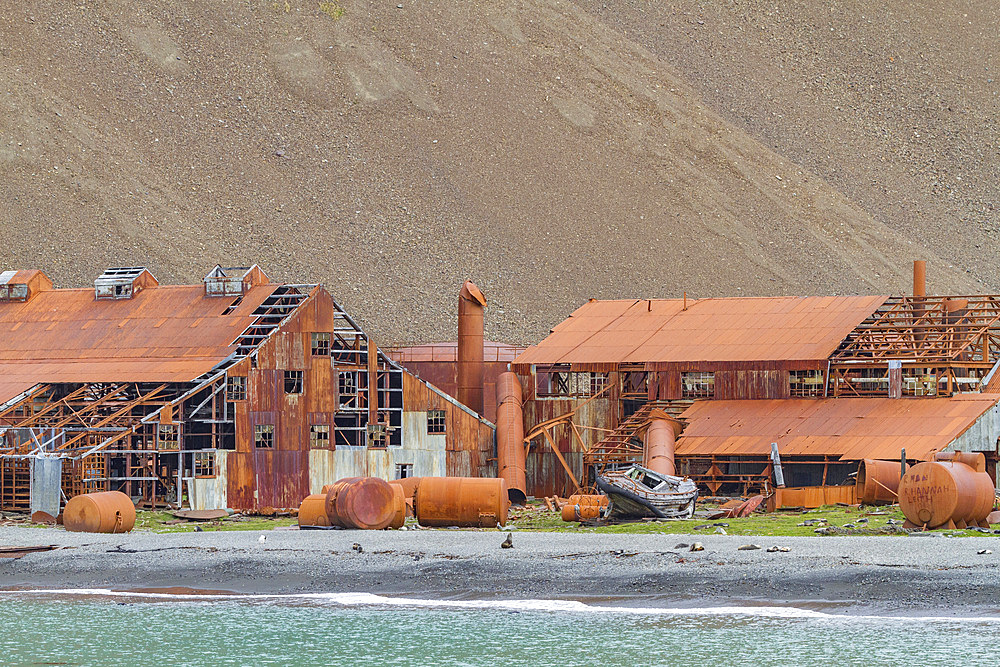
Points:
[(878, 481), (165, 333), (471, 303), (658, 447), (811, 496), (850, 428), (728, 329)]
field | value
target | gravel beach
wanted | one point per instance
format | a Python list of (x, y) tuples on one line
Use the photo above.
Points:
[(901, 575)]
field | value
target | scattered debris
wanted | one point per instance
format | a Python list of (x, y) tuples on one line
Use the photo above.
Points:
[(19, 552), (984, 551), (200, 515)]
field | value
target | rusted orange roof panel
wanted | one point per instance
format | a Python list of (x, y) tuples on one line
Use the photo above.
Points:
[(717, 330), (163, 334), (850, 428)]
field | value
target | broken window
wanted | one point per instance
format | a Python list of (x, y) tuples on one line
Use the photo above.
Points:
[(436, 422), (293, 382), (319, 436), (347, 386), (404, 470), (168, 436), (236, 388), (320, 344), (204, 464), (698, 384), (805, 383), (263, 436), (567, 384), (919, 382), (14, 292)]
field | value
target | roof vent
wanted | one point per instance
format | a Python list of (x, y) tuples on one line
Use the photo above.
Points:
[(22, 285), (233, 281), (123, 282)]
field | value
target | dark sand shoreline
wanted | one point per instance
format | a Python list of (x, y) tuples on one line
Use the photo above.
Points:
[(847, 575)]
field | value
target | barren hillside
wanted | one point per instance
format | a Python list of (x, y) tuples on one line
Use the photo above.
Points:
[(551, 151)]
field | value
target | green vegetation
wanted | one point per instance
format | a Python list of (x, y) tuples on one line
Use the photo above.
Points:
[(779, 524), (159, 522), (331, 9)]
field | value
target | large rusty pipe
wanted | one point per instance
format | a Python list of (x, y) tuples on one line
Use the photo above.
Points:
[(510, 437), (462, 501), (878, 482), (946, 493), (658, 449), (104, 512), (471, 367)]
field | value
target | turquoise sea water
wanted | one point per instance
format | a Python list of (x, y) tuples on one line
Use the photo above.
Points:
[(101, 628)]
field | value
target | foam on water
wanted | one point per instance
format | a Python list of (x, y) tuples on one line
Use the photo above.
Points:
[(539, 605)]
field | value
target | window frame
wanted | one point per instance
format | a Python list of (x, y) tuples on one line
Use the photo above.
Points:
[(316, 442), (320, 343), (295, 379), (437, 422), (263, 433), (233, 383)]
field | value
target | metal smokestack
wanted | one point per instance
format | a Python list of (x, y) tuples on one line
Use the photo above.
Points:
[(471, 368), (919, 277)]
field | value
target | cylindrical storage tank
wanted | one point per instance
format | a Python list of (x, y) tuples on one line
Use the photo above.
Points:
[(471, 366), (878, 482), (975, 460), (580, 512), (398, 507), (367, 503), (945, 493), (658, 450), (312, 511), (462, 501), (510, 437), (104, 512), (588, 500)]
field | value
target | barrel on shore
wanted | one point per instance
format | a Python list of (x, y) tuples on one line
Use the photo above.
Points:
[(462, 501), (954, 493), (312, 511), (103, 512)]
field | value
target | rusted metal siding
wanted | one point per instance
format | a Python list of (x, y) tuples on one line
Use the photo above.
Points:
[(545, 474)]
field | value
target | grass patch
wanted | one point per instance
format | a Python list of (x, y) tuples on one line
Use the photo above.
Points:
[(332, 9), (779, 524), (157, 522)]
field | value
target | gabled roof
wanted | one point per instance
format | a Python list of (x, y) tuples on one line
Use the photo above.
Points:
[(850, 428), (162, 334), (714, 330)]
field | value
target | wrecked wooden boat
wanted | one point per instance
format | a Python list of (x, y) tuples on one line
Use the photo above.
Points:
[(637, 492)]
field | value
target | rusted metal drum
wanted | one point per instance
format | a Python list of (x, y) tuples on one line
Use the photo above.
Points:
[(398, 507), (409, 486), (580, 512), (312, 511), (462, 501), (588, 500), (658, 447), (510, 437), (945, 494), (104, 512), (878, 482), (361, 502)]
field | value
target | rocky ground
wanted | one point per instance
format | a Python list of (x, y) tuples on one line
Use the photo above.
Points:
[(900, 575), (550, 150)]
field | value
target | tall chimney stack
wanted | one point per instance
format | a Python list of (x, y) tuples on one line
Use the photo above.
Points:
[(919, 277), (471, 367)]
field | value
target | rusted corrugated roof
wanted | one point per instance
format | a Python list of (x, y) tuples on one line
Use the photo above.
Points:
[(730, 329), (163, 334), (492, 352), (851, 428)]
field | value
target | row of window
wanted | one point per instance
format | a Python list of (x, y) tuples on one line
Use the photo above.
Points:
[(319, 434), (694, 384)]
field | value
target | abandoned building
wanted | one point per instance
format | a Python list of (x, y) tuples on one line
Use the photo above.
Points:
[(830, 380), (237, 392)]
